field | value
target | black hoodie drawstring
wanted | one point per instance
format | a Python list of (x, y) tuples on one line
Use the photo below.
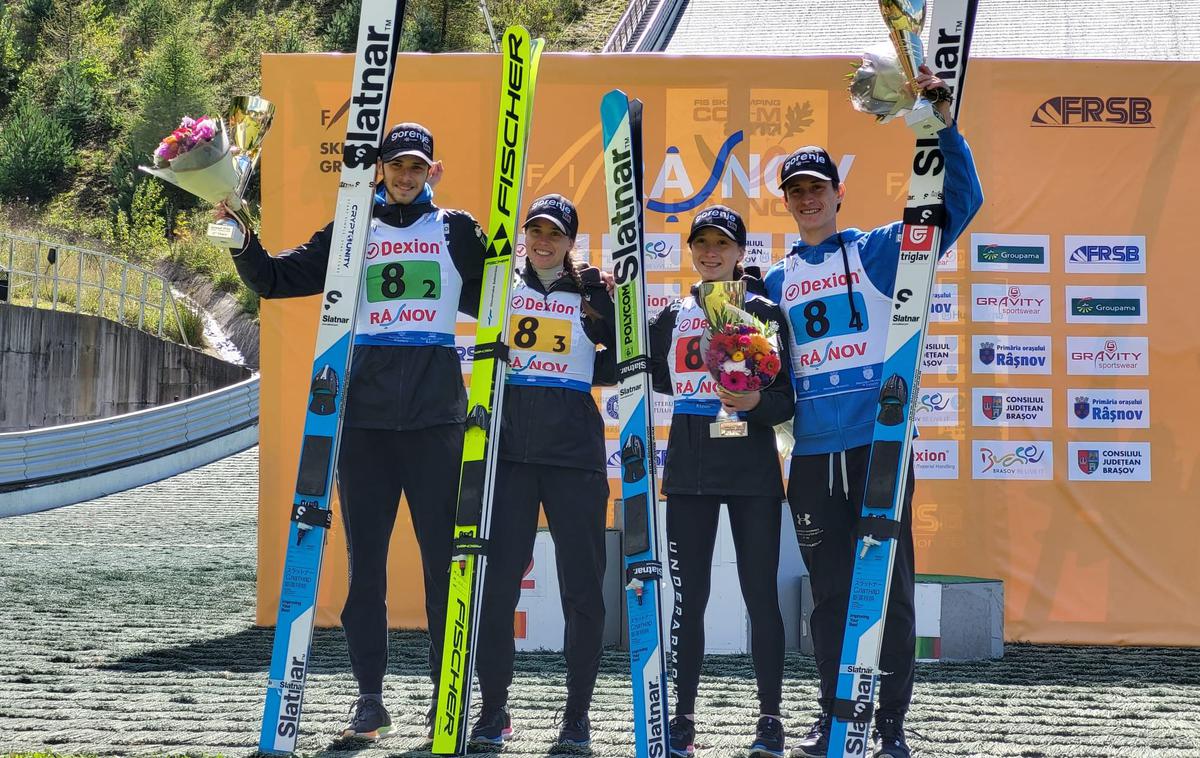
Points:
[(855, 317)]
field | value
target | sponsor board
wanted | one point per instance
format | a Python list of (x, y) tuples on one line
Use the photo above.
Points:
[(1109, 461), (935, 459), (664, 405), (941, 355), (464, 345), (943, 303), (758, 251), (1011, 303), (662, 252), (1010, 252), (1012, 459), (1090, 254), (1000, 354), (1093, 112), (1011, 406), (1106, 305), (937, 407), (1108, 409), (1108, 356), (949, 259)]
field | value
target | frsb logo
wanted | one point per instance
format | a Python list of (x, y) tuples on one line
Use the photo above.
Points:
[(1089, 111)]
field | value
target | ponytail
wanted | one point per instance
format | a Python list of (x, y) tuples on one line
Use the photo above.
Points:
[(574, 269)]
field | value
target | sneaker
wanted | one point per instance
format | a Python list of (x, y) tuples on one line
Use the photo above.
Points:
[(768, 738), (815, 744), (889, 736), (369, 720), (683, 737), (576, 730), (492, 728)]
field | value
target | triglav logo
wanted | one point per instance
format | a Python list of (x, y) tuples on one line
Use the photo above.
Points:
[(1094, 112)]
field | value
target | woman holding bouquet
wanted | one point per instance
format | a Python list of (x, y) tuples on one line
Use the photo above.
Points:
[(405, 406), (551, 455), (702, 472)]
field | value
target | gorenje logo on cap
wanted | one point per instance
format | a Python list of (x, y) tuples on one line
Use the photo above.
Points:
[(413, 135), (555, 203), (1094, 112)]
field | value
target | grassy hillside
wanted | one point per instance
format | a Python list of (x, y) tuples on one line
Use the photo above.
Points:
[(88, 87)]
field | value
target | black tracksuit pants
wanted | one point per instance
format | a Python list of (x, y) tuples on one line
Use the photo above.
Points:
[(374, 467), (691, 535), (826, 521), (576, 504)]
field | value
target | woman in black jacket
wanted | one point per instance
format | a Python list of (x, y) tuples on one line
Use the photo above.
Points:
[(702, 472), (551, 454), (405, 404)]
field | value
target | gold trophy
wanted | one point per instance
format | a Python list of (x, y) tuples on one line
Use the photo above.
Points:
[(220, 169), (722, 303), (883, 84)]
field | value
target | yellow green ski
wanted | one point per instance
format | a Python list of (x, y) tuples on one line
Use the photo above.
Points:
[(486, 396)]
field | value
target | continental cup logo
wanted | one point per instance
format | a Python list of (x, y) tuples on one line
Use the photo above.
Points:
[(1094, 112)]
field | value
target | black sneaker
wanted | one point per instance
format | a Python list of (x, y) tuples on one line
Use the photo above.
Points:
[(492, 728), (768, 738), (889, 736), (815, 744), (683, 737), (576, 730), (369, 720)]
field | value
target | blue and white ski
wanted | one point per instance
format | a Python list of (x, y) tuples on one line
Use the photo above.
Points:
[(887, 473), (374, 65), (621, 122)]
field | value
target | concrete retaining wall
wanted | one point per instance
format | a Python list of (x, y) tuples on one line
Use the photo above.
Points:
[(60, 368)]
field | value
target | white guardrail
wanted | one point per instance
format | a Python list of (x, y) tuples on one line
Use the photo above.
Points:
[(47, 468)]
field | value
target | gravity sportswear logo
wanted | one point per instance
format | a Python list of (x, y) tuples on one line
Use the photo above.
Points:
[(1094, 112)]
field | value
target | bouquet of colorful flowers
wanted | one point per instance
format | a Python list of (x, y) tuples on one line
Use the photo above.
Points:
[(190, 133), (739, 349), (741, 358), (197, 158)]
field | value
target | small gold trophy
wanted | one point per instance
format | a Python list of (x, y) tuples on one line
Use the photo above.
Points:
[(220, 169)]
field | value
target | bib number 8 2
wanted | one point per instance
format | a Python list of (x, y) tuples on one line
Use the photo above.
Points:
[(413, 280)]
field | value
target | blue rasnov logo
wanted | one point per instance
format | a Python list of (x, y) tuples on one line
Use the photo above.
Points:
[(714, 178)]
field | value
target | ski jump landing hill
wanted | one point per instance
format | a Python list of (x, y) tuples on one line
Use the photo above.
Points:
[(1055, 450)]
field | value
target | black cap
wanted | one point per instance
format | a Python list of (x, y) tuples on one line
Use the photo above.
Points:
[(809, 161), (407, 139), (558, 210), (720, 217)]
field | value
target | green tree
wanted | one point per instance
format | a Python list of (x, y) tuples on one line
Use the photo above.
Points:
[(35, 152), (174, 84)]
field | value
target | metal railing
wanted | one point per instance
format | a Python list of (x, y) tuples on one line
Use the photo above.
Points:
[(618, 41), (70, 276), (58, 455)]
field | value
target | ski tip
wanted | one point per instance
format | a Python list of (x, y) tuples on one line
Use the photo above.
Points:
[(614, 108), (519, 32)]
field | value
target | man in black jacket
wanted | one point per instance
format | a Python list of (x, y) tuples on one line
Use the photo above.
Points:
[(405, 405)]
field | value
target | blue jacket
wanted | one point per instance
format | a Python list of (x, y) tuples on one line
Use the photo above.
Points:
[(840, 422)]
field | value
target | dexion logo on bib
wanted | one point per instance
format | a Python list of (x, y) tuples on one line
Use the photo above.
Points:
[(1109, 461), (1106, 409), (1105, 255), (999, 354), (1106, 305), (1108, 356), (1090, 111), (1009, 459)]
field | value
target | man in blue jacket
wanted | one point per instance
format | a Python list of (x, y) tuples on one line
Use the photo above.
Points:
[(835, 289)]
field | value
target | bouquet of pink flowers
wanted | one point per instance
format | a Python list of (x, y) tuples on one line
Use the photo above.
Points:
[(741, 357), (191, 132)]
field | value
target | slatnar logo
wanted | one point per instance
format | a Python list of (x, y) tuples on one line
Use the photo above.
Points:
[(1094, 112)]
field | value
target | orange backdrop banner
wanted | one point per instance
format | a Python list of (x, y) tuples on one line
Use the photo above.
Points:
[(1064, 310)]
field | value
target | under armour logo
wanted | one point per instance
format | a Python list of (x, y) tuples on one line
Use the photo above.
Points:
[(804, 520)]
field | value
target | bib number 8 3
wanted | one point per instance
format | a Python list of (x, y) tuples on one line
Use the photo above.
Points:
[(540, 333)]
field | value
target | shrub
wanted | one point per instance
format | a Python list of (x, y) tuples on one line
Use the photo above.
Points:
[(35, 152)]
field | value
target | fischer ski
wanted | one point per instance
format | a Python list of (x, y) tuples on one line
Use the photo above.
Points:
[(486, 397), (374, 66), (887, 472), (621, 121)]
